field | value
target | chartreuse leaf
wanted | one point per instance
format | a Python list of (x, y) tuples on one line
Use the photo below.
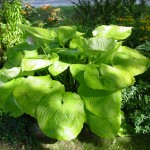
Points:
[(106, 77), (33, 89), (61, 116), (42, 33), (103, 110), (5, 90), (34, 64), (10, 73), (16, 53), (131, 61), (65, 33), (10, 106), (58, 67), (101, 44), (6, 98), (77, 71), (112, 31)]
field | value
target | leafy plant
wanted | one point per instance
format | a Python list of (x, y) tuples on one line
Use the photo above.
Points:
[(65, 80), (135, 104), (11, 34)]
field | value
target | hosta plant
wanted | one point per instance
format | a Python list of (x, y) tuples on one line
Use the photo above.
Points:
[(65, 80)]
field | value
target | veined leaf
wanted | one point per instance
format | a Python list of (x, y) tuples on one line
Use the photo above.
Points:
[(31, 91), (10, 73), (107, 78), (101, 44), (46, 34), (34, 64), (103, 110), (6, 89), (77, 71), (112, 31), (58, 67), (131, 61), (16, 53), (61, 116), (65, 33)]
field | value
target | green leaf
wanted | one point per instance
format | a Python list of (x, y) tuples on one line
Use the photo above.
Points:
[(112, 31), (35, 64), (65, 33), (103, 110), (10, 73), (80, 44), (77, 71), (106, 78), (101, 44), (58, 67), (33, 89), (5, 90), (61, 116), (16, 53), (42, 33), (131, 61), (11, 108)]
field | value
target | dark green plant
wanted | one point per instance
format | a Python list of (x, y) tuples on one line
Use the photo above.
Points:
[(65, 80), (90, 13), (136, 106)]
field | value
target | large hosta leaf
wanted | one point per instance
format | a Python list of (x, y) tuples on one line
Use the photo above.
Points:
[(103, 110), (35, 64), (64, 33), (106, 78), (77, 71), (112, 31), (101, 44), (42, 33), (30, 92), (61, 116), (58, 67), (7, 102), (131, 61), (11, 108), (10, 73), (16, 53)]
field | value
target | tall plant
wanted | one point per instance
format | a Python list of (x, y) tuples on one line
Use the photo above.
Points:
[(65, 80), (11, 34)]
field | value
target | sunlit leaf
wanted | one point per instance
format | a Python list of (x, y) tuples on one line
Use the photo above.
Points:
[(34, 64), (131, 61), (61, 116), (33, 89), (103, 110), (107, 78), (112, 31), (58, 67), (64, 33)]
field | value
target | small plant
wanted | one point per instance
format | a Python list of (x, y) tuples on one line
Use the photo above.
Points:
[(64, 80)]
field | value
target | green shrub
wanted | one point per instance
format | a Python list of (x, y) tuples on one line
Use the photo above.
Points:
[(90, 13), (136, 106)]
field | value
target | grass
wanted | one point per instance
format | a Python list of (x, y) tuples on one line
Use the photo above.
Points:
[(22, 134)]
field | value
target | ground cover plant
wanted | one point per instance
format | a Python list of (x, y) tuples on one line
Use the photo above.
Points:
[(65, 80)]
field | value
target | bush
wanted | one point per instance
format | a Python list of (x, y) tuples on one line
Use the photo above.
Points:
[(135, 104), (90, 13)]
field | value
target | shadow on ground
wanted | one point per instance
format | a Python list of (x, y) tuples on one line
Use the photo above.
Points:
[(23, 134)]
